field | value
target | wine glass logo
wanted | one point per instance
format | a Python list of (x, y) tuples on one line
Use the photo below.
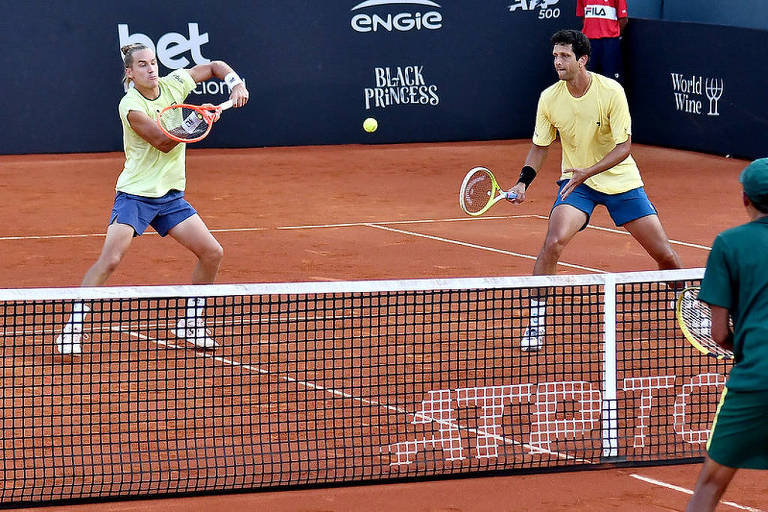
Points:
[(714, 89)]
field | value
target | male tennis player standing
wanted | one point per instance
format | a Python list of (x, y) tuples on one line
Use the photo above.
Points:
[(591, 114), (150, 190), (736, 283)]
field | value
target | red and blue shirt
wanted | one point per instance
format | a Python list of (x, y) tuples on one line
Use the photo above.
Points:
[(601, 17)]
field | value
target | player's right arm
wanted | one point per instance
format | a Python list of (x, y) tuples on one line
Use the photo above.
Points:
[(148, 130), (721, 330), (544, 133), (535, 160)]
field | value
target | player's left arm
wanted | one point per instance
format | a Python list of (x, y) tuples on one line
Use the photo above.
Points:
[(614, 157), (221, 70)]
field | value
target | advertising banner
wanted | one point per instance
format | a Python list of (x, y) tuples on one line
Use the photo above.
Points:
[(691, 86), (425, 70)]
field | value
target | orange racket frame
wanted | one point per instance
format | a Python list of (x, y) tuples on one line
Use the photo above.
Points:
[(210, 116)]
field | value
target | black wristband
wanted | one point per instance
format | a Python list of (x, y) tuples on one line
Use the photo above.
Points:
[(527, 175)]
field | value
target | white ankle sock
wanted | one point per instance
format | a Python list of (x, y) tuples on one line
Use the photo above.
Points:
[(538, 312), (195, 308), (79, 310)]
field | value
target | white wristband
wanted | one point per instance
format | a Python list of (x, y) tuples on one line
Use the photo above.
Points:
[(232, 80)]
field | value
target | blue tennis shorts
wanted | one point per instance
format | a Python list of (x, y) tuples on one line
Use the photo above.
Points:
[(162, 213), (739, 436), (623, 208)]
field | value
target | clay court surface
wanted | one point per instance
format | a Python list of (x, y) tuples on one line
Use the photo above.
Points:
[(373, 212)]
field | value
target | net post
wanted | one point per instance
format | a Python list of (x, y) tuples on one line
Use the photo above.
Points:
[(610, 405)]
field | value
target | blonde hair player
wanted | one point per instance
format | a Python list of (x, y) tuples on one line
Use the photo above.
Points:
[(150, 189), (591, 115)]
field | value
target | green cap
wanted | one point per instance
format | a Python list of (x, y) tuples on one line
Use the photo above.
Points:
[(754, 179)]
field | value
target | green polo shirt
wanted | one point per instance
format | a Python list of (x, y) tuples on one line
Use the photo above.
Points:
[(736, 278)]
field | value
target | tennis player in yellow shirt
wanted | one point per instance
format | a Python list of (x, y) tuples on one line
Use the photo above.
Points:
[(150, 189), (591, 114)]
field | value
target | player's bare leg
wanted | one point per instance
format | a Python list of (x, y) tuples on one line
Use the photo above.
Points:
[(649, 232), (193, 234), (713, 480), (118, 239), (564, 222)]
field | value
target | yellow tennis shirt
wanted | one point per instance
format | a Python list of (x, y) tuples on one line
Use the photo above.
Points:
[(590, 127), (149, 172)]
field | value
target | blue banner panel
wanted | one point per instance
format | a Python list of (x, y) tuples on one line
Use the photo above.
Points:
[(694, 87), (735, 13), (426, 70)]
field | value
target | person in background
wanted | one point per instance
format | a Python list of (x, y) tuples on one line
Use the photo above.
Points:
[(604, 24), (735, 285)]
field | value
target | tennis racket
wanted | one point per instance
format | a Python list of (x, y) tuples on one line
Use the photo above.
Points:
[(479, 191), (189, 123), (695, 320)]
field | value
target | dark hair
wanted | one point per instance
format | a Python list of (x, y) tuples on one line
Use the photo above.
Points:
[(576, 39), (128, 51)]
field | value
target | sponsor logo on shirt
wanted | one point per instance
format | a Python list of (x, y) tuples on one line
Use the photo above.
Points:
[(600, 12)]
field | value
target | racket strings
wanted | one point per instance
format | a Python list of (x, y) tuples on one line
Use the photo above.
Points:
[(479, 191), (697, 318), (184, 123)]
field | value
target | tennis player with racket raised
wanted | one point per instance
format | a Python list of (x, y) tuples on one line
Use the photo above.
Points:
[(591, 115), (150, 189), (735, 284)]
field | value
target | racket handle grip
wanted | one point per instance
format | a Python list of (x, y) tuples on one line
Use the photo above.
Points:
[(226, 105), (510, 195)]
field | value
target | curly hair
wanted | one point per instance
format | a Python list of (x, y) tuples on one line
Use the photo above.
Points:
[(576, 39)]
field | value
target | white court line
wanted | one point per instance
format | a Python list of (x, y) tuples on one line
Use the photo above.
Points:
[(419, 221), (342, 394), (625, 232), (308, 226), (481, 247), (46, 237), (689, 491), (358, 224)]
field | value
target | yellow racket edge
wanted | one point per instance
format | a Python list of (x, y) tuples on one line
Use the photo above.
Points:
[(689, 336), (496, 193)]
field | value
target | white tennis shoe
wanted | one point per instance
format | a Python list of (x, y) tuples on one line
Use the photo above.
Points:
[(195, 332), (533, 339), (68, 342)]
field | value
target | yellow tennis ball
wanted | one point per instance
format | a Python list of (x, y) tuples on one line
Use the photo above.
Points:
[(370, 125)]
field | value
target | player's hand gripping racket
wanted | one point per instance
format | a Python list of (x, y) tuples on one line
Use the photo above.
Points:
[(479, 191), (695, 320), (189, 123)]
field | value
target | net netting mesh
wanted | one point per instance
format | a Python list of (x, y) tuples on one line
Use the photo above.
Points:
[(342, 382)]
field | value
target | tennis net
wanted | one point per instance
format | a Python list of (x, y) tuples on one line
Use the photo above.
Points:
[(318, 383)]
